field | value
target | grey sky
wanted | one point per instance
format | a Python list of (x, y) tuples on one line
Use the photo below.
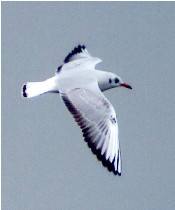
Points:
[(45, 162)]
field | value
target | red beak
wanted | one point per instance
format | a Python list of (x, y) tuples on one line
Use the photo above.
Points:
[(126, 85)]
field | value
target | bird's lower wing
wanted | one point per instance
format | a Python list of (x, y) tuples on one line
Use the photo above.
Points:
[(97, 120)]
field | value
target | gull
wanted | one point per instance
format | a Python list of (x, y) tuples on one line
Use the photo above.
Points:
[(80, 85)]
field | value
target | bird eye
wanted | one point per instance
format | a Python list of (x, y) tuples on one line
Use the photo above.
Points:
[(110, 80), (116, 80)]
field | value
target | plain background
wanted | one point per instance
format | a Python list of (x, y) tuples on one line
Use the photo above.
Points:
[(45, 162)]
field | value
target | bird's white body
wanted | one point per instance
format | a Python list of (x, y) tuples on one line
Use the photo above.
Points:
[(80, 86)]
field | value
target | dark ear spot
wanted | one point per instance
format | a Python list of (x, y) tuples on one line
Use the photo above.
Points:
[(110, 81), (116, 80)]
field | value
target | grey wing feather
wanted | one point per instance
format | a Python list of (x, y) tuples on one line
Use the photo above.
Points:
[(95, 116)]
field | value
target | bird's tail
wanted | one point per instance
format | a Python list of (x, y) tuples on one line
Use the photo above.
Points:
[(32, 89)]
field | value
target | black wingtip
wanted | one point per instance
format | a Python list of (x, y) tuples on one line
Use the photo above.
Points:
[(24, 91), (106, 163), (76, 50), (117, 173)]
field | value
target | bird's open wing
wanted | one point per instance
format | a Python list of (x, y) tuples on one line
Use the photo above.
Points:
[(79, 58), (97, 120)]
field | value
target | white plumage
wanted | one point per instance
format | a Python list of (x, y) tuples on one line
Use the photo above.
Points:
[(80, 86)]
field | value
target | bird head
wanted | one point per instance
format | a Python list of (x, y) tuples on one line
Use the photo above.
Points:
[(116, 81)]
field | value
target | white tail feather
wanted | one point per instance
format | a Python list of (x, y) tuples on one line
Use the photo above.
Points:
[(32, 89)]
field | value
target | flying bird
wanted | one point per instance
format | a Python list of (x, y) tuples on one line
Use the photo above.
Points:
[(80, 85)]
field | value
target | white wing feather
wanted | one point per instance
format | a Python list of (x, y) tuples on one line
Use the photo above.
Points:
[(78, 58)]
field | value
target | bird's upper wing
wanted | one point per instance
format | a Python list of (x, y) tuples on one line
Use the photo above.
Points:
[(97, 120), (79, 58), (77, 53)]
